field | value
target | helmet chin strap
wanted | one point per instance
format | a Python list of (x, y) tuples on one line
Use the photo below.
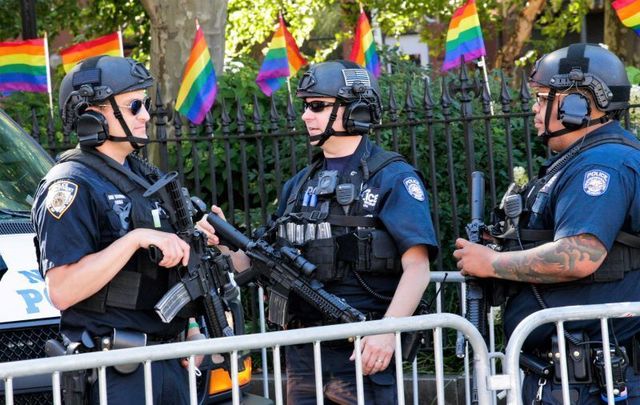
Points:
[(136, 142), (329, 131), (547, 135)]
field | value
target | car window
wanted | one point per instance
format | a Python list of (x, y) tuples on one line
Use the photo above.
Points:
[(22, 165)]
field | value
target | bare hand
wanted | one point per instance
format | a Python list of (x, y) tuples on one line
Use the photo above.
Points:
[(174, 250), (377, 351), (204, 226), (474, 259)]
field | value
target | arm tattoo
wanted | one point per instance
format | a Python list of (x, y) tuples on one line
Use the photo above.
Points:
[(552, 262)]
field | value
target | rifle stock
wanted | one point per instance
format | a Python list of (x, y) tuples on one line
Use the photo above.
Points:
[(284, 270)]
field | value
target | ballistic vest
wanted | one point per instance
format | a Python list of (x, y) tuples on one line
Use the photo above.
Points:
[(357, 239), (140, 283), (624, 255)]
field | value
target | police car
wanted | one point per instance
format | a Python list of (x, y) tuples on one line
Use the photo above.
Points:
[(27, 317)]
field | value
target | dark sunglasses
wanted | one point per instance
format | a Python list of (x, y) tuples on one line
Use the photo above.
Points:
[(316, 106), (136, 105)]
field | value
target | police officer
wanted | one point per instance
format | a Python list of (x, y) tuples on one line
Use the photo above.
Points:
[(361, 215), (576, 240), (94, 228)]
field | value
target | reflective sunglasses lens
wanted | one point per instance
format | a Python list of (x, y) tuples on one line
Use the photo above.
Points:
[(136, 105)]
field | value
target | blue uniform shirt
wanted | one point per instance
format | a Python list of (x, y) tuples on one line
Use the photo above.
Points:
[(398, 198), (597, 193), (78, 212)]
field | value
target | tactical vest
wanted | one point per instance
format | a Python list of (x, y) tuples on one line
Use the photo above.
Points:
[(624, 255), (330, 226), (140, 283)]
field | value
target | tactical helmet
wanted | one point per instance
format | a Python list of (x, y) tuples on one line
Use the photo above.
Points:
[(94, 80), (589, 67), (353, 87)]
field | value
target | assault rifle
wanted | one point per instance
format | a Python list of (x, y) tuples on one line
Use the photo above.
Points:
[(476, 296), (208, 277), (283, 270)]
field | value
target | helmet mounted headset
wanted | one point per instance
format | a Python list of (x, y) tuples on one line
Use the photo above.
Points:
[(581, 68), (93, 82), (352, 87)]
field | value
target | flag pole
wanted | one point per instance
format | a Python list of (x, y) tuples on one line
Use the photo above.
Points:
[(281, 21), (46, 58), (483, 64), (120, 41)]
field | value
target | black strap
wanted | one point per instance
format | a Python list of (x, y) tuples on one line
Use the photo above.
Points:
[(97, 161)]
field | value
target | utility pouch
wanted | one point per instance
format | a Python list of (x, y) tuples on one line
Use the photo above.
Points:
[(124, 339), (377, 253), (578, 359), (322, 253)]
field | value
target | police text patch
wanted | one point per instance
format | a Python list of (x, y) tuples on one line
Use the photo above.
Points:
[(60, 196), (370, 198), (414, 188), (595, 182)]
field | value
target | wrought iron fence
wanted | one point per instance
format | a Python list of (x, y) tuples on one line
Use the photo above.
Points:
[(241, 155)]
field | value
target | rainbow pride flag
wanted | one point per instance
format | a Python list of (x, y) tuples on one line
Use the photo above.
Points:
[(364, 48), (283, 60), (110, 44), (199, 84), (629, 13), (464, 38), (23, 66)]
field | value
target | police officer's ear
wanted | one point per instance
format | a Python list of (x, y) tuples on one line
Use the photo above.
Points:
[(92, 128), (574, 111)]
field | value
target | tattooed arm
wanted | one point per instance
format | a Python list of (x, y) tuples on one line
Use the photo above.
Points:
[(566, 259)]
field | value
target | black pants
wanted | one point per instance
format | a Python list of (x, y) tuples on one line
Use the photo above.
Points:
[(338, 379), (170, 385)]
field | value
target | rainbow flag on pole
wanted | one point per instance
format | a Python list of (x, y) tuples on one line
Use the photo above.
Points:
[(629, 13), (199, 84), (282, 61), (110, 44), (464, 38), (23, 66), (364, 48)]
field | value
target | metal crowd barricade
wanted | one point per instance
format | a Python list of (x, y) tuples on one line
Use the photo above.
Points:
[(437, 278), (275, 340), (510, 379)]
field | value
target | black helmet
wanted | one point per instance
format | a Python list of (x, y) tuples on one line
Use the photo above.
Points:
[(352, 86), (589, 67), (94, 81)]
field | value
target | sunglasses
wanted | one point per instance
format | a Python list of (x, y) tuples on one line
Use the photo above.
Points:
[(135, 106), (315, 106), (541, 98)]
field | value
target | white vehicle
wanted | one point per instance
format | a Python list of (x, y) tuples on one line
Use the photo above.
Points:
[(27, 318)]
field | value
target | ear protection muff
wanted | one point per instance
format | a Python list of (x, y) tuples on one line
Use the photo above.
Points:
[(92, 128), (359, 115), (574, 111)]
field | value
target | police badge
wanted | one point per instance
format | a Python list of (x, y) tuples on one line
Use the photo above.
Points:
[(595, 182), (60, 195), (414, 188)]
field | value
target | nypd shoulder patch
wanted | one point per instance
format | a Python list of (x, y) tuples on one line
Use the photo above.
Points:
[(414, 188), (595, 182), (60, 196)]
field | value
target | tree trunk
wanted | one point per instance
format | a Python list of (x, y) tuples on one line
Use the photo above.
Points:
[(524, 26), (172, 31), (621, 40)]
